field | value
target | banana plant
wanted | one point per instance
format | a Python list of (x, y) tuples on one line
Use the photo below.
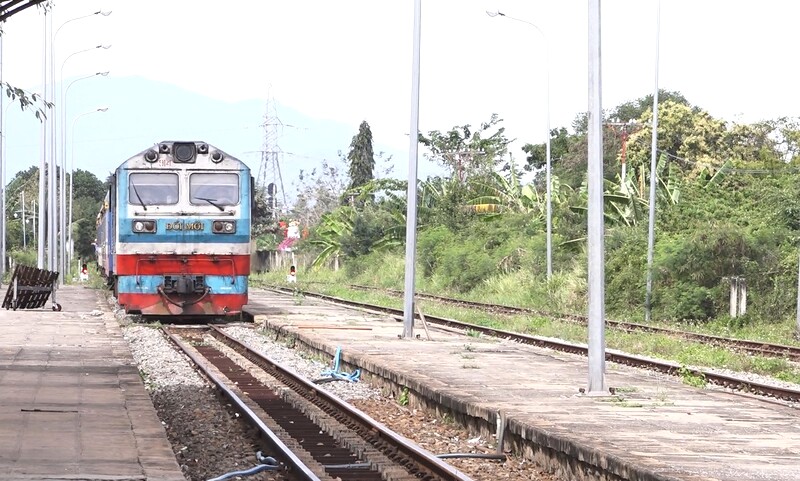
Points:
[(332, 229), (505, 194)]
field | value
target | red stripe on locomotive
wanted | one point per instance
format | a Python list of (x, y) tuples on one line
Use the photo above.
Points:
[(160, 264), (156, 305)]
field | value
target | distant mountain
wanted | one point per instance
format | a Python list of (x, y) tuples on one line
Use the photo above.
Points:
[(142, 112)]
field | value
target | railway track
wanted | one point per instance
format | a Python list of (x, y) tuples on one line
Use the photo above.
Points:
[(757, 348), (666, 367), (312, 435)]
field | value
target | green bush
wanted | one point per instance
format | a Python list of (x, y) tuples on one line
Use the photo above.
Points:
[(430, 244), (465, 264)]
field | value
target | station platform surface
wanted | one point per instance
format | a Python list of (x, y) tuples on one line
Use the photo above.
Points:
[(657, 429), (72, 404)]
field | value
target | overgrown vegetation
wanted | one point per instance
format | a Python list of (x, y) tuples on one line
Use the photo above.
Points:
[(728, 205)]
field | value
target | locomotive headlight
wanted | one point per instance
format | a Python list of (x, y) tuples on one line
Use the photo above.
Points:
[(144, 226), (224, 227)]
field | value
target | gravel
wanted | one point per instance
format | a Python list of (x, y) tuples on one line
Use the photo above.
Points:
[(209, 438)]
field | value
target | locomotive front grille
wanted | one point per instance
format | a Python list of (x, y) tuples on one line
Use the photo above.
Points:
[(184, 284)]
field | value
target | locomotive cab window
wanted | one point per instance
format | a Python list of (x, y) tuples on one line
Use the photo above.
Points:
[(152, 188), (216, 188)]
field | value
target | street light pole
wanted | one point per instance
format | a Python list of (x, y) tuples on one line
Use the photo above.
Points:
[(595, 227), (547, 137), (43, 164), (58, 254), (411, 193), (3, 161), (71, 175), (64, 95), (62, 203), (651, 230)]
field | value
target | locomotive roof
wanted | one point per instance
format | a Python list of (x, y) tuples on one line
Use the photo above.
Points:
[(186, 154)]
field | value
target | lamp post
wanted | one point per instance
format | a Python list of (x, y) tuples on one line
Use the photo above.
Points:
[(651, 225), (411, 193), (53, 143), (72, 174), (68, 226), (547, 137), (62, 217)]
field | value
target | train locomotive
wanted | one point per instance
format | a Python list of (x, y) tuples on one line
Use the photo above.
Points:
[(173, 234)]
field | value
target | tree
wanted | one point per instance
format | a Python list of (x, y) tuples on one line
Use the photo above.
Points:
[(86, 184), (466, 152), (9, 8), (560, 143), (683, 132), (361, 159), (634, 110), (318, 192), (88, 193)]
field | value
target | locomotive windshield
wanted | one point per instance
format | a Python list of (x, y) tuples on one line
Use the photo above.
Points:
[(152, 188), (216, 188)]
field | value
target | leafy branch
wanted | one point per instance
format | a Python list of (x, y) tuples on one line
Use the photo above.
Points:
[(27, 100)]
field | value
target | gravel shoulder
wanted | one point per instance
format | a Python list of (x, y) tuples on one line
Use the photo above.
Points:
[(210, 439)]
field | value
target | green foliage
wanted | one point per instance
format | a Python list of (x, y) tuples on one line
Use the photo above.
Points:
[(727, 204), (403, 398), (361, 159), (369, 227), (26, 257), (560, 143), (467, 152), (692, 378), (27, 100), (466, 263)]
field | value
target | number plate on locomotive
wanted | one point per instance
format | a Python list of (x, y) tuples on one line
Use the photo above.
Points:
[(184, 226)]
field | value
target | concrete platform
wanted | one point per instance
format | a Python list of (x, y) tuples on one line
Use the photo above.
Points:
[(72, 404), (660, 429)]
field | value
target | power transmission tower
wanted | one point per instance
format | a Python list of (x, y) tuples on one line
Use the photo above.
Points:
[(269, 172)]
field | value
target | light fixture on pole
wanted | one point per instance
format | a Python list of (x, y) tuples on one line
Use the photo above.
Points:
[(53, 141), (63, 163), (547, 138), (64, 96), (68, 225), (71, 175)]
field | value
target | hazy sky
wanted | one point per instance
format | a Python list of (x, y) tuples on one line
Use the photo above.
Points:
[(351, 60)]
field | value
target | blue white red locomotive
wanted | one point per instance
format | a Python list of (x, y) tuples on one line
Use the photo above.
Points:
[(173, 235)]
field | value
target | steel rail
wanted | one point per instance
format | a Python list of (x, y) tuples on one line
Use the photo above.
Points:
[(666, 367), (297, 466), (392, 444), (751, 347)]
